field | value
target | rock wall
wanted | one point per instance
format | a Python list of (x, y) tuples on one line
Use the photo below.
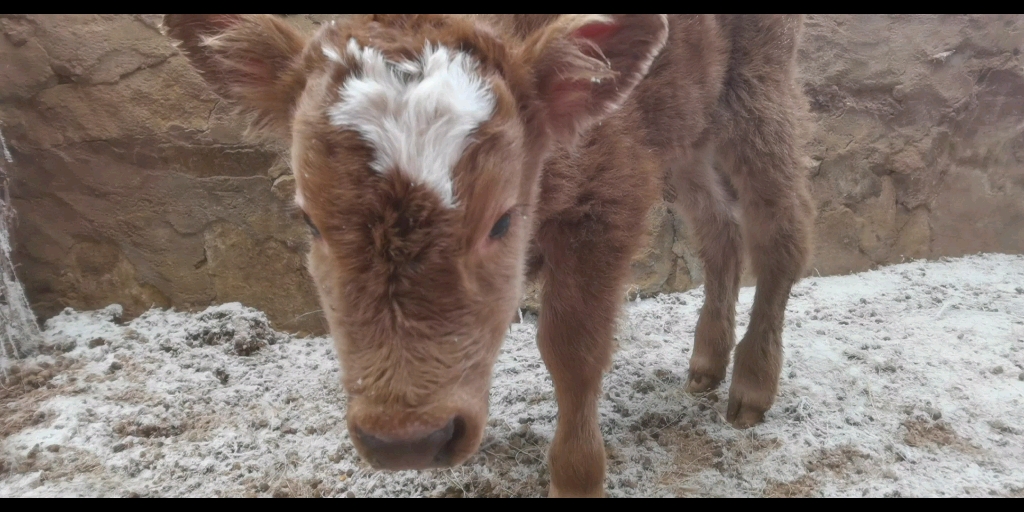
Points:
[(134, 186)]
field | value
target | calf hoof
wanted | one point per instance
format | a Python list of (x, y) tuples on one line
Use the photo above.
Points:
[(699, 382), (745, 409), (703, 376), (753, 389), (555, 492), (749, 399)]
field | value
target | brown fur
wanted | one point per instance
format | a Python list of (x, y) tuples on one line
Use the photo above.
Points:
[(584, 137)]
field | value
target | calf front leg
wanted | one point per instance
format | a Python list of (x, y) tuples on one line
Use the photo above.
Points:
[(703, 201), (779, 250), (777, 221), (583, 289)]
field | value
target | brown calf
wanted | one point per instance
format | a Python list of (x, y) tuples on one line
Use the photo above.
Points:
[(442, 160)]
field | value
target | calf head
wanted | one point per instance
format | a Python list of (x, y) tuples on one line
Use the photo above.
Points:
[(417, 143)]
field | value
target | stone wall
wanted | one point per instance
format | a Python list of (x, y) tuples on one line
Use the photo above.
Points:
[(133, 184)]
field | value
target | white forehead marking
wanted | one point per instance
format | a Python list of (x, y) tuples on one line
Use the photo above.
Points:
[(417, 115)]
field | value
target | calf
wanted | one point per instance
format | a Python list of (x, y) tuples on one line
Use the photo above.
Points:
[(440, 161)]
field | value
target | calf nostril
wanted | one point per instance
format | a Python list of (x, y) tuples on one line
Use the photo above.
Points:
[(441, 437), (458, 431)]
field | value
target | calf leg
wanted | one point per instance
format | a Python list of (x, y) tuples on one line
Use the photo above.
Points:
[(777, 222), (584, 282), (701, 198)]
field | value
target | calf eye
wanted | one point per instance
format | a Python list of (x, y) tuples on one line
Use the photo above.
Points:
[(501, 227), (316, 232)]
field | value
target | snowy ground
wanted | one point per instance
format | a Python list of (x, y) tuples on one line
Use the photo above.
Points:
[(906, 381)]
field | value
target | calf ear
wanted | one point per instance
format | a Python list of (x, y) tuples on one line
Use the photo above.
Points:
[(251, 61), (585, 65)]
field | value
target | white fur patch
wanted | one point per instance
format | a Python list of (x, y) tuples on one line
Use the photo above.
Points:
[(417, 115), (331, 53)]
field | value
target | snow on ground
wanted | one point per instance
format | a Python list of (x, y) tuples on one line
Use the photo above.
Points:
[(904, 381)]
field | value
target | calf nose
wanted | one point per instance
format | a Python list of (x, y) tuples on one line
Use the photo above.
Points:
[(416, 452)]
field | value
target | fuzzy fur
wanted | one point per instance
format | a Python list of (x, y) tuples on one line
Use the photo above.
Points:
[(593, 117)]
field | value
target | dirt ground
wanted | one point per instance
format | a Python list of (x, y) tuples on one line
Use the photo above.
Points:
[(904, 381)]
